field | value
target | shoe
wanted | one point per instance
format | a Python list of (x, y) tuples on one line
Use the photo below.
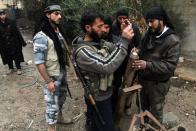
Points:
[(52, 127), (19, 72), (62, 120), (10, 71)]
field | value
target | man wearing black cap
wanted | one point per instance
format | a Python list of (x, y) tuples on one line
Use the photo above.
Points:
[(107, 35), (159, 53), (121, 15), (11, 43), (50, 59)]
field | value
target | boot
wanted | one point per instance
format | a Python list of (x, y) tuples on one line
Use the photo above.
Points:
[(52, 127), (10, 71), (62, 120), (19, 71)]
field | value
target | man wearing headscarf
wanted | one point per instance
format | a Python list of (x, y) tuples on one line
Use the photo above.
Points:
[(50, 59), (121, 15), (11, 43), (159, 53)]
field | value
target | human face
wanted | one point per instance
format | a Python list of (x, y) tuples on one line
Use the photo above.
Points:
[(121, 19), (95, 30), (106, 30), (2, 16), (54, 17), (155, 25)]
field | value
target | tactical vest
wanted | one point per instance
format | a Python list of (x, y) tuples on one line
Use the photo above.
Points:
[(99, 83), (51, 59)]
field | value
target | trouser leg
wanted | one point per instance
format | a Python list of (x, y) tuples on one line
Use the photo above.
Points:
[(157, 98), (105, 108), (89, 114), (10, 62), (62, 94), (157, 110), (144, 101), (17, 63), (52, 108), (114, 98)]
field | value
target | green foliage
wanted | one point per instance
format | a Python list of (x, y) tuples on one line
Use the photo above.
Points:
[(73, 9)]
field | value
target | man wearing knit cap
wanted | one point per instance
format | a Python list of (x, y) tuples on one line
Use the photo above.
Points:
[(121, 15), (159, 53), (107, 35)]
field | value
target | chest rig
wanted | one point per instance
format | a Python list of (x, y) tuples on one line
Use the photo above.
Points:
[(97, 81)]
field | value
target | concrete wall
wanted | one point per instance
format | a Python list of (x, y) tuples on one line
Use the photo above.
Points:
[(188, 10)]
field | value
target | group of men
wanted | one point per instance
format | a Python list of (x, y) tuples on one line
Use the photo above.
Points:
[(101, 54)]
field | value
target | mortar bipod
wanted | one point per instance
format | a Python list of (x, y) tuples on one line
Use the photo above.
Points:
[(138, 123)]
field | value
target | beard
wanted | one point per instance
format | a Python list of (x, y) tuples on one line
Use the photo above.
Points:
[(105, 35), (55, 22), (94, 36), (155, 32)]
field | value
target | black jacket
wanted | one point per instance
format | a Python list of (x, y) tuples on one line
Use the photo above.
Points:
[(118, 74), (11, 41), (161, 55)]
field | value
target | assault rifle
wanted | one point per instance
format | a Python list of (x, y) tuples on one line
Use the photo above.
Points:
[(74, 65), (89, 93)]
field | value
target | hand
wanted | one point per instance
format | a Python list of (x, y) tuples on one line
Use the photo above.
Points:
[(125, 23), (139, 65), (127, 32), (51, 86), (135, 50)]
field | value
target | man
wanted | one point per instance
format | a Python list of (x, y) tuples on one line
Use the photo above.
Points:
[(122, 15), (11, 43), (50, 60), (159, 53), (97, 60), (107, 35)]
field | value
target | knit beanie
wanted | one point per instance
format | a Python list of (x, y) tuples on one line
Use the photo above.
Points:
[(160, 14), (122, 12)]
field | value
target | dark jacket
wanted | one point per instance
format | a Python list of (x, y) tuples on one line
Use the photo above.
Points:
[(11, 42), (161, 55), (134, 43), (97, 61)]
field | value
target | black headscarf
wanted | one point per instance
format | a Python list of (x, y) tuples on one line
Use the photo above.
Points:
[(46, 27), (107, 20), (159, 13), (122, 12)]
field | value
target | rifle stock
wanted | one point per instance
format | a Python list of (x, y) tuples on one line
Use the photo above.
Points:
[(73, 64), (90, 96)]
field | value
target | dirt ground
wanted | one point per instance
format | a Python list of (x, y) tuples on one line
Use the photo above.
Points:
[(22, 105)]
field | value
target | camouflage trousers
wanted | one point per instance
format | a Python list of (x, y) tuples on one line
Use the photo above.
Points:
[(55, 100)]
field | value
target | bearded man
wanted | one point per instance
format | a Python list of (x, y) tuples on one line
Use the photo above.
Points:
[(97, 60), (50, 59), (159, 53)]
